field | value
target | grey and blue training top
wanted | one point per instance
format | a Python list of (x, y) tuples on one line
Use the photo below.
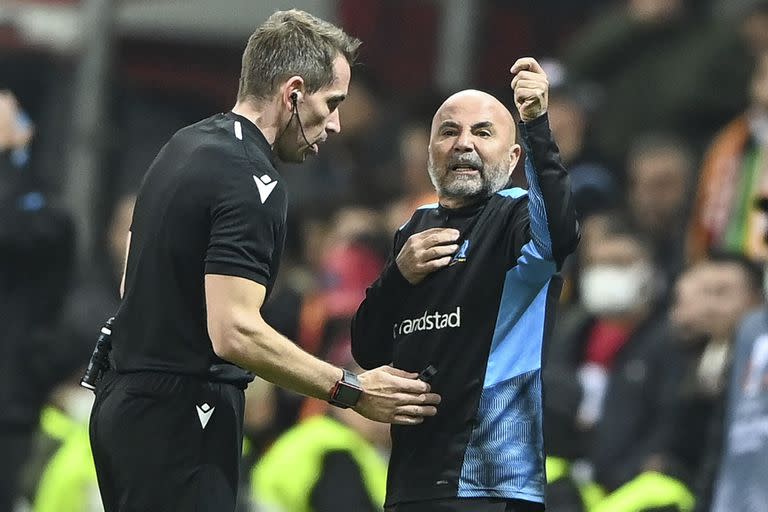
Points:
[(482, 322)]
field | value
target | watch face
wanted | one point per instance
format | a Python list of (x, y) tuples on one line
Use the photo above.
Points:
[(348, 395)]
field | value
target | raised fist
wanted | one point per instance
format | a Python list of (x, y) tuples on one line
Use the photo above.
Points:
[(531, 88)]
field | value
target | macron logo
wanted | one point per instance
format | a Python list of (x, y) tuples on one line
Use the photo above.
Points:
[(204, 412), (266, 185)]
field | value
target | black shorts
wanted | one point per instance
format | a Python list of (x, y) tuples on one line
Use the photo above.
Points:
[(468, 505), (164, 442)]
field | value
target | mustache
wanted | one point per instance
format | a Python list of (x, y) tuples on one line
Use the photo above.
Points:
[(472, 160)]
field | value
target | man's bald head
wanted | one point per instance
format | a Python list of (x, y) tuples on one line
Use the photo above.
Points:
[(476, 101), (472, 149)]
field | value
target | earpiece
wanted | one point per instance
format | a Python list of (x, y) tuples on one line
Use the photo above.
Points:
[(295, 113)]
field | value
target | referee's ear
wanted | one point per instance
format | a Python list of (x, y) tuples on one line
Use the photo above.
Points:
[(293, 87)]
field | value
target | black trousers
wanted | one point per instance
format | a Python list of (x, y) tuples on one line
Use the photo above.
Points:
[(468, 505), (166, 442)]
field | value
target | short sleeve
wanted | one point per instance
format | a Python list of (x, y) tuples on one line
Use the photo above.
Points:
[(243, 232)]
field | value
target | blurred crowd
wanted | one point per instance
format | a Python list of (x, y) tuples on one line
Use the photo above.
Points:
[(656, 377)]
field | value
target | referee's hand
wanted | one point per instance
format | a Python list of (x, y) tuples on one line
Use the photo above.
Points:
[(425, 252), (391, 395)]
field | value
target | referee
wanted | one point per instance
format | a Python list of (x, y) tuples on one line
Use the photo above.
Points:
[(204, 250), (470, 291)]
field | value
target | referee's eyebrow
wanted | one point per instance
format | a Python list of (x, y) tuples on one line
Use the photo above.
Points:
[(336, 99)]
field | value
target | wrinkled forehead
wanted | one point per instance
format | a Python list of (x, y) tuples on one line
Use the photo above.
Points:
[(471, 108)]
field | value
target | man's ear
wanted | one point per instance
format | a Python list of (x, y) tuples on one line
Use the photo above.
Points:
[(292, 88), (514, 156)]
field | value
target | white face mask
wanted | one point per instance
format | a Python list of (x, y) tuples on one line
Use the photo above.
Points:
[(615, 289)]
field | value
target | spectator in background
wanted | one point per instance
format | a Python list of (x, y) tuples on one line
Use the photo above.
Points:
[(723, 288), (608, 368), (417, 189), (66, 479), (370, 141), (260, 428), (359, 165), (594, 186), (351, 256), (97, 294), (36, 257), (15, 135), (351, 253), (734, 172), (711, 297), (652, 57), (743, 459), (659, 177), (327, 463), (751, 17)]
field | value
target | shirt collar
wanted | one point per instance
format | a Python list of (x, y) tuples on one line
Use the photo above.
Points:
[(464, 211), (252, 134)]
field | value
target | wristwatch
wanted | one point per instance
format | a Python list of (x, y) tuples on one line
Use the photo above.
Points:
[(346, 392)]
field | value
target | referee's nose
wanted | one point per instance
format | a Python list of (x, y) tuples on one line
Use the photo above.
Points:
[(333, 124)]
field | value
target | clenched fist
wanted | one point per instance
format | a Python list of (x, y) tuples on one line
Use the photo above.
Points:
[(531, 88)]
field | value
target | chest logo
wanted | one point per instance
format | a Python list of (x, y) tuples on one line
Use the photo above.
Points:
[(266, 185), (461, 254), (428, 322)]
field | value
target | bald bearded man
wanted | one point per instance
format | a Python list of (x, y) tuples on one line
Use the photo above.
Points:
[(470, 290)]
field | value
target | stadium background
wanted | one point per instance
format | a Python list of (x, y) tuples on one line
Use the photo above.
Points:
[(655, 104)]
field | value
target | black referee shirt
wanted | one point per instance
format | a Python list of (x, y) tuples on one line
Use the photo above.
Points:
[(211, 203)]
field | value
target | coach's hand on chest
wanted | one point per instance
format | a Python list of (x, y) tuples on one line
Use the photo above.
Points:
[(426, 252)]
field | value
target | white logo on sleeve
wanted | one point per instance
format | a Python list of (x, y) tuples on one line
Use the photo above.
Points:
[(204, 412), (266, 185)]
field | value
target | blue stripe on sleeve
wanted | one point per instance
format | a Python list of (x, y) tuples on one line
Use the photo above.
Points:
[(538, 213)]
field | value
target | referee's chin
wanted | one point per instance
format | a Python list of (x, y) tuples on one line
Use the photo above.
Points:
[(297, 156)]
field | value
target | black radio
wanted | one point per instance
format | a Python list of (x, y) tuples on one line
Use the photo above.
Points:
[(99, 362)]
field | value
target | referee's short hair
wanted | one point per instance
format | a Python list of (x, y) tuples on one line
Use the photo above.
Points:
[(292, 43)]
